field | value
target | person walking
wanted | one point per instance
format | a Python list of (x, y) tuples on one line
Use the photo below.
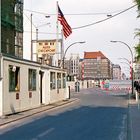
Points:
[(137, 89)]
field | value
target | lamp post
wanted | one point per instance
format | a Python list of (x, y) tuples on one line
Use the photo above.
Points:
[(36, 27), (68, 48), (129, 67), (126, 64), (125, 59), (114, 41)]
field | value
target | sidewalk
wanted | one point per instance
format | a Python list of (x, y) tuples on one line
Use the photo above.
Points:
[(134, 114), (24, 114)]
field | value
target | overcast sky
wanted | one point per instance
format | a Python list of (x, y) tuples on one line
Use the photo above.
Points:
[(97, 37)]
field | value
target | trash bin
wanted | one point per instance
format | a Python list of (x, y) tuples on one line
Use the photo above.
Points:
[(77, 86)]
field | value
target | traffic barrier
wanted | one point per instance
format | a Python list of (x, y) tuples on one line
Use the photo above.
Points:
[(120, 88)]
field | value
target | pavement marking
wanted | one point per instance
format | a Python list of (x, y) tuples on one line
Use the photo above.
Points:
[(123, 135), (45, 133)]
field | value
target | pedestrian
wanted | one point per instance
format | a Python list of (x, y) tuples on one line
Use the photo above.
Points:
[(136, 85), (137, 89)]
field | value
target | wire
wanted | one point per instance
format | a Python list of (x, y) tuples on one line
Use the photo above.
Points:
[(77, 14), (29, 20), (87, 25), (105, 18), (42, 33)]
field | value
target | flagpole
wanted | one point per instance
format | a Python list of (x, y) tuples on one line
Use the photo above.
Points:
[(62, 48), (57, 35), (31, 39), (66, 29), (62, 45)]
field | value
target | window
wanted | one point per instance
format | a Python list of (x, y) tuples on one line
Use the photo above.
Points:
[(14, 78), (64, 80), (32, 79), (58, 80), (7, 46), (52, 80)]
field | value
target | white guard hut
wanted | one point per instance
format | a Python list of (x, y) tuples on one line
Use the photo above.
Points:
[(25, 84)]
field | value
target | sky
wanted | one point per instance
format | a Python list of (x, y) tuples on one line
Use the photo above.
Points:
[(82, 12)]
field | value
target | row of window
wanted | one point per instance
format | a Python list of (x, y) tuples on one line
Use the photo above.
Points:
[(60, 82), (96, 64), (14, 79), (95, 60)]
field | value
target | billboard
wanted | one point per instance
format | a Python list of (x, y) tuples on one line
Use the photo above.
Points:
[(46, 47)]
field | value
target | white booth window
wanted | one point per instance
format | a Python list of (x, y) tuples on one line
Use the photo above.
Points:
[(64, 80), (32, 79), (52, 80), (58, 80), (14, 78)]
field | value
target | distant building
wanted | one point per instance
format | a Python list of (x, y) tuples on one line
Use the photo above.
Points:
[(81, 69), (116, 72), (72, 65), (97, 66)]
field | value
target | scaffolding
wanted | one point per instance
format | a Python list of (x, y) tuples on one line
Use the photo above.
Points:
[(12, 27)]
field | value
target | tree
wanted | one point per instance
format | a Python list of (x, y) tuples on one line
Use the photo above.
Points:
[(137, 48), (138, 5)]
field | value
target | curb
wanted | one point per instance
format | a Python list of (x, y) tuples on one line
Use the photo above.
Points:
[(56, 105)]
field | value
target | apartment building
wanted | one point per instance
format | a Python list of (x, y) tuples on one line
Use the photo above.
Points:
[(12, 27), (96, 66)]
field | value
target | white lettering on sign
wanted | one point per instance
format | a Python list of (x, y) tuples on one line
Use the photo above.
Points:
[(46, 47)]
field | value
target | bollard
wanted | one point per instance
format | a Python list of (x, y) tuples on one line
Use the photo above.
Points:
[(69, 91), (137, 96)]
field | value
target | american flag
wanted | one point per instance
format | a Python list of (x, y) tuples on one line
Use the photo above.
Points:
[(66, 27)]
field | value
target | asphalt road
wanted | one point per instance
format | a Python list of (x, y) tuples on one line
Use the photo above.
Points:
[(98, 115)]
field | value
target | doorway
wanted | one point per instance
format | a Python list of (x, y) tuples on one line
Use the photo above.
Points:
[(41, 85)]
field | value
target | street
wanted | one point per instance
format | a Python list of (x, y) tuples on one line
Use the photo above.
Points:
[(97, 115)]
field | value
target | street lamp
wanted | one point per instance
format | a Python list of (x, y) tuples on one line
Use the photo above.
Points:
[(114, 41), (69, 47), (129, 67), (128, 63), (36, 27), (125, 59)]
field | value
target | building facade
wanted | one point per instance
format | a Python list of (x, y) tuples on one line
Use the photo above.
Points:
[(117, 72), (137, 70), (96, 66), (25, 85), (12, 27), (73, 66)]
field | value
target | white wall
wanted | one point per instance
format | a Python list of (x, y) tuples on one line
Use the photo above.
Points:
[(57, 95), (1, 97), (46, 87), (1, 85), (10, 103), (83, 84)]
